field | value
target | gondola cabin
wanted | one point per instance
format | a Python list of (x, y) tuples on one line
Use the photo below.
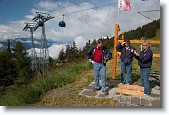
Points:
[(62, 24)]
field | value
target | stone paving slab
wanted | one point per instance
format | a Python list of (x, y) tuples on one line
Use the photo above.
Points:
[(153, 100)]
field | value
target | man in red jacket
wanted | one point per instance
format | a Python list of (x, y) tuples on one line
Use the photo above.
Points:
[(98, 55)]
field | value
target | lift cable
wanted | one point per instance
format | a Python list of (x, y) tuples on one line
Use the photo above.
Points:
[(150, 11), (86, 9), (147, 16), (70, 5)]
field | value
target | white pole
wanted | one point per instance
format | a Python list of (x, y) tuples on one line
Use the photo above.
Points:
[(118, 11), (118, 15)]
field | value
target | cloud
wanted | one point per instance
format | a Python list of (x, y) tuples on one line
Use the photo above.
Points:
[(54, 50), (79, 41), (29, 17), (46, 5)]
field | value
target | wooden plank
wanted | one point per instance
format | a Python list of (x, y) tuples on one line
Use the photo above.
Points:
[(154, 55), (131, 87), (130, 92), (141, 41)]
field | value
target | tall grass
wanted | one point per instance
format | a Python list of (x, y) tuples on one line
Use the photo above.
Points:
[(30, 94)]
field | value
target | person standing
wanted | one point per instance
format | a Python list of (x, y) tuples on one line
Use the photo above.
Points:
[(127, 54), (98, 55), (145, 58)]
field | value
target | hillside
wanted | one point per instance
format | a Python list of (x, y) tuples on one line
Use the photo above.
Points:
[(147, 31), (63, 84), (157, 37)]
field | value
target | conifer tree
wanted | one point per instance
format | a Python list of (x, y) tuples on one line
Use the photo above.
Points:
[(7, 67), (67, 53), (22, 63), (61, 56), (74, 51)]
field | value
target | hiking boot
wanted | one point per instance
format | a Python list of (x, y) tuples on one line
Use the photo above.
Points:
[(106, 92), (96, 89)]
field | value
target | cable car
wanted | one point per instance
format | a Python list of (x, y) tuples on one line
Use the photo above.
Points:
[(62, 23)]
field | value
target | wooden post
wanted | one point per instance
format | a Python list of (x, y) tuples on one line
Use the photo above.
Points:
[(115, 51), (122, 35)]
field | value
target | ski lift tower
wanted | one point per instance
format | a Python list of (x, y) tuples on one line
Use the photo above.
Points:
[(33, 54), (40, 19)]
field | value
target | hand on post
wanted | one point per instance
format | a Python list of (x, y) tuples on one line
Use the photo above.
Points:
[(123, 43)]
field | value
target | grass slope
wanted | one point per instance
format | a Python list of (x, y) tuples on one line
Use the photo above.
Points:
[(32, 93)]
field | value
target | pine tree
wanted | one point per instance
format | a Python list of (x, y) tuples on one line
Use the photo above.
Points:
[(7, 67), (94, 42), (109, 42), (61, 56), (74, 52), (10, 67), (67, 53), (2, 68), (22, 63)]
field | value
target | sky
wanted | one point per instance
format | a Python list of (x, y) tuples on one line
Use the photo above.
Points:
[(80, 26)]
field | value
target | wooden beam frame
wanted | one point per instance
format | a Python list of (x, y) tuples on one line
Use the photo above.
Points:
[(141, 41), (154, 55), (116, 40)]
